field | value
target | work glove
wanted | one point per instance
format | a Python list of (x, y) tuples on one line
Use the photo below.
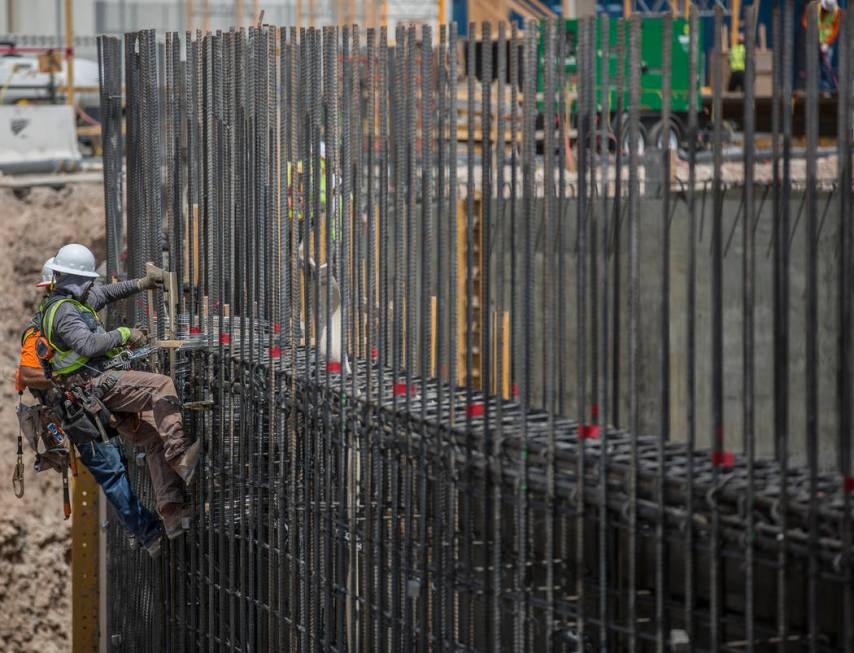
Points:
[(152, 279), (133, 337)]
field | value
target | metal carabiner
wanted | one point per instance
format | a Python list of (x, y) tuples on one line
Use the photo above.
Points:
[(18, 477)]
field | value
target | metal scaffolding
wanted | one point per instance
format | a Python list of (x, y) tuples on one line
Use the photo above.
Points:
[(428, 369)]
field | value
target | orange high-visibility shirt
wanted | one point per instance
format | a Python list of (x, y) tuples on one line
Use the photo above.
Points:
[(28, 357)]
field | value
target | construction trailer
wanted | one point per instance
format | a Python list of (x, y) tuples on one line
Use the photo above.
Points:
[(652, 129), (600, 408)]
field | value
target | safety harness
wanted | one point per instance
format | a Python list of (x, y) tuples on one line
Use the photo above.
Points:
[(72, 411), (43, 429)]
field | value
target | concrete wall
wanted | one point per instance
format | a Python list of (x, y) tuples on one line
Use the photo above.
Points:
[(649, 376)]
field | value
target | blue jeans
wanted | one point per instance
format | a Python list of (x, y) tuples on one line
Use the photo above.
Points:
[(827, 81), (107, 465)]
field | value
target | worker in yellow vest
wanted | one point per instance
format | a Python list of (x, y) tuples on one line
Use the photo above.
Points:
[(829, 16), (736, 65)]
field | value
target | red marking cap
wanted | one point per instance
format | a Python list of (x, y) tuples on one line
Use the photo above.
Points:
[(588, 431), (374, 352), (723, 458), (333, 366), (224, 338), (848, 484), (195, 330), (275, 351), (277, 328), (475, 410), (400, 389), (514, 390)]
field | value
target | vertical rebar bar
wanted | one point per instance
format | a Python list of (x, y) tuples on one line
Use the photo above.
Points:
[(844, 290), (748, 275), (811, 315), (690, 319), (716, 313), (634, 321), (664, 334)]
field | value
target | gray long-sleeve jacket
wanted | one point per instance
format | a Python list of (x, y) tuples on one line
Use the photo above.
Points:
[(80, 331)]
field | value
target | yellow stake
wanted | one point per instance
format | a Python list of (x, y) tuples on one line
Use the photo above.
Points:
[(69, 53)]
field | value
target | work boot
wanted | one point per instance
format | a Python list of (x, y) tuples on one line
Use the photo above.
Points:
[(153, 547), (186, 465), (176, 519)]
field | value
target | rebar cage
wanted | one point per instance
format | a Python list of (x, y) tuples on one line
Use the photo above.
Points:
[(430, 316)]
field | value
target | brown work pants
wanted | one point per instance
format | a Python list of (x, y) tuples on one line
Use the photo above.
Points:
[(141, 431), (158, 429)]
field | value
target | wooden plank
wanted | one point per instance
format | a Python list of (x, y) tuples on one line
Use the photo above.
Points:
[(84, 562), (505, 355), (433, 336), (478, 308)]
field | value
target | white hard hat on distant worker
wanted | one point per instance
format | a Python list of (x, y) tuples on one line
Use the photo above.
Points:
[(829, 5), (47, 274), (75, 259)]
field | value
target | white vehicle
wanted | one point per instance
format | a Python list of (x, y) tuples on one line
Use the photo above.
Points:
[(21, 79)]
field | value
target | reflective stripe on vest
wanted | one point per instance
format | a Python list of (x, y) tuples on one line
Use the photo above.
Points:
[(64, 362)]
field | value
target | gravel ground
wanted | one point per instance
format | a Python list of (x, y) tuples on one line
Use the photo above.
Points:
[(35, 547)]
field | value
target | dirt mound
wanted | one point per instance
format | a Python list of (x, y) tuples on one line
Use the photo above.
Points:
[(35, 581)]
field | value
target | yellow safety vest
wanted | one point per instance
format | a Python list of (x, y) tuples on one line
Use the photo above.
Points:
[(826, 25), (736, 58), (67, 361), (298, 188)]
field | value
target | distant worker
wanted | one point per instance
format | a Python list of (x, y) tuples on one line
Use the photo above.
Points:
[(81, 346), (829, 15), (103, 459), (736, 64)]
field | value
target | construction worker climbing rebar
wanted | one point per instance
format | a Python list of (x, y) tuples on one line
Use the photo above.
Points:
[(104, 460), (146, 405), (829, 16), (297, 184)]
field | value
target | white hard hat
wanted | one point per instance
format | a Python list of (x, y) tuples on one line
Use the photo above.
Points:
[(75, 259), (829, 5), (47, 274)]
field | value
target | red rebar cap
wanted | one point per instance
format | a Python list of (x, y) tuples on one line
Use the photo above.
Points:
[(400, 389), (723, 458), (588, 431), (475, 410)]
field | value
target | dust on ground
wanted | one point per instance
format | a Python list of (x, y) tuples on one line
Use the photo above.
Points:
[(35, 541)]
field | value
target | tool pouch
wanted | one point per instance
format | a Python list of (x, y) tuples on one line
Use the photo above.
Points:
[(79, 427), (49, 455), (56, 460), (29, 417)]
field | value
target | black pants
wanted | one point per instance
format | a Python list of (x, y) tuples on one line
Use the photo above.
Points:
[(736, 81)]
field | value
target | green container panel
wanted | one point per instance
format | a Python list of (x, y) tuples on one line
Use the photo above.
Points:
[(652, 54)]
